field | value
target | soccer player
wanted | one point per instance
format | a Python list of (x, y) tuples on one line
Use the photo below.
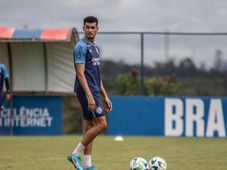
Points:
[(4, 76), (88, 87)]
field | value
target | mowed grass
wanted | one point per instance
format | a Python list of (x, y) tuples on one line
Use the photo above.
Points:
[(49, 153)]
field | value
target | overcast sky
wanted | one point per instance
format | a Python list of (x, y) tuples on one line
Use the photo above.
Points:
[(118, 15), (125, 15)]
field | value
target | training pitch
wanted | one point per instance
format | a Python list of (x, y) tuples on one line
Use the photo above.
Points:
[(49, 153)]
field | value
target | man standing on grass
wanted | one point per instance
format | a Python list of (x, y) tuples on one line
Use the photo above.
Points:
[(88, 87), (4, 77)]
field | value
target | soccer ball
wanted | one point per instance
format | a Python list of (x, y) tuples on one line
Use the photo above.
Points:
[(157, 163), (138, 163)]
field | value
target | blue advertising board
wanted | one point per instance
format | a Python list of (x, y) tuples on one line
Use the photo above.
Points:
[(32, 115), (168, 116)]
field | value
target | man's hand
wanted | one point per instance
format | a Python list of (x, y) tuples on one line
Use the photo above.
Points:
[(91, 103), (108, 104), (8, 96)]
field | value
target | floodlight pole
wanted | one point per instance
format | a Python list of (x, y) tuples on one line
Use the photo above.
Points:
[(142, 64)]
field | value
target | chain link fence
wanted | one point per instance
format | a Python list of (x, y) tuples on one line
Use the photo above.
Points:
[(149, 50)]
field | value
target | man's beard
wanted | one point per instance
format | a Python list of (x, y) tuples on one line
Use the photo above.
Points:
[(91, 37)]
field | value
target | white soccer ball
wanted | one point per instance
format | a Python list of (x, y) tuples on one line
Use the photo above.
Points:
[(157, 163), (138, 163)]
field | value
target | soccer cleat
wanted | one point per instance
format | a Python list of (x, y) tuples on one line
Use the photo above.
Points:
[(76, 161), (91, 168)]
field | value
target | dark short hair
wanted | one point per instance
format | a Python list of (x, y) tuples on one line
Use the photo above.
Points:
[(91, 19)]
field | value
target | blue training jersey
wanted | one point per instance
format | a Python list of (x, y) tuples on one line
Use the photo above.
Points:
[(88, 53), (3, 74)]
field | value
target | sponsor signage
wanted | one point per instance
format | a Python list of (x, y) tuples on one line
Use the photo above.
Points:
[(169, 116), (32, 115)]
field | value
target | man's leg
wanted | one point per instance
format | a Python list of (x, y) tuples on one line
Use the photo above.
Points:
[(92, 128), (87, 124), (100, 126), (85, 145)]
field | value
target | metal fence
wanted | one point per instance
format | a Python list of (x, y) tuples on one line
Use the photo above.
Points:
[(206, 50)]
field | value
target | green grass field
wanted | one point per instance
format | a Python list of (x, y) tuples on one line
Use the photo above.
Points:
[(49, 153)]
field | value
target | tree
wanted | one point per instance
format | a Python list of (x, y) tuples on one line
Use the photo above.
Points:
[(128, 83)]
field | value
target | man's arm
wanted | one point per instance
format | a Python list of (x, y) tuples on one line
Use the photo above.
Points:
[(106, 98), (8, 94), (7, 84), (80, 68)]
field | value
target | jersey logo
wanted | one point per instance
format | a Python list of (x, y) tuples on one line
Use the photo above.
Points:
[(99, 110), (96, 61), (96, 49)]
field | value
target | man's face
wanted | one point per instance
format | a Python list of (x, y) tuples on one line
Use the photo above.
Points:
[(90, 30)]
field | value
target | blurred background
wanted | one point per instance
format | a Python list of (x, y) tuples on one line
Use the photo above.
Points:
[(148, 48)]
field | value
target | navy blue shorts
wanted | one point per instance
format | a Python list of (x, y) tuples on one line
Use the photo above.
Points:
[(87, 114)]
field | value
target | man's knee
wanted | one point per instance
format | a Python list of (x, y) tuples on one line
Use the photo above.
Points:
[(88, 124), (86, 128), (102, 125)]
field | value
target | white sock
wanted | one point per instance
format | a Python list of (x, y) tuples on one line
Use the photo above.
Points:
[(87, 161), (78, 150)]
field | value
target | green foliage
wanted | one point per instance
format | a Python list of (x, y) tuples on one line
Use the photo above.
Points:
[(162, 86), (129, 84), (191, 81)]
